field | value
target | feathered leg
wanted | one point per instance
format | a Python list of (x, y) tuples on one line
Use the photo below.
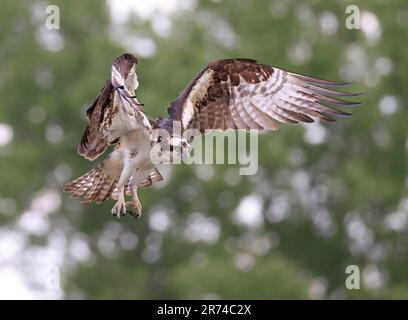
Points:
[(142, 176), (119, 209)]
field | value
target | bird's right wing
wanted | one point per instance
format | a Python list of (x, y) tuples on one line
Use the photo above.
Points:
[(115, 112)]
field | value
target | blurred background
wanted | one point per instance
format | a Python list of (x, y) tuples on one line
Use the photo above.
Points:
[(324, 197)]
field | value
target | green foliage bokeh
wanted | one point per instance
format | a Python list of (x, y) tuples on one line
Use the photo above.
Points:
[(357, 177)]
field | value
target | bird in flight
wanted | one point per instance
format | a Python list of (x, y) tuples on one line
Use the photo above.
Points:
[(237, 94)]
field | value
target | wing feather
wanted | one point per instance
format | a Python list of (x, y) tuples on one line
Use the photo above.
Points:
[(243, 94), (92, 142)]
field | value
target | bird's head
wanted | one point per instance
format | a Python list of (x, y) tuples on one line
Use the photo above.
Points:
[(169, 147), (124, 72), (180, 146)]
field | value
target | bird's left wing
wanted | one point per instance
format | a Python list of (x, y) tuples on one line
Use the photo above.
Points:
[(243, 94)]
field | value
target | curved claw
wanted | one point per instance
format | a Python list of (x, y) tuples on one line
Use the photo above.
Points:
[(119, 209), (135, 208)]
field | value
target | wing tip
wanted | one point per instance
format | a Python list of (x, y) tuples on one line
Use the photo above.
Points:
[(319, 81)]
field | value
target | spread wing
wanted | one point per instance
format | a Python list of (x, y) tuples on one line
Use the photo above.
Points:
[(105, 123), (243, 94)]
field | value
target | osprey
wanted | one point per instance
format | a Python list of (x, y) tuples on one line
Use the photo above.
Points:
[(227, 94)]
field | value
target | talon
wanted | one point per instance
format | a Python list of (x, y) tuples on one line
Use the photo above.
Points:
[(119, 209), (136, 208)]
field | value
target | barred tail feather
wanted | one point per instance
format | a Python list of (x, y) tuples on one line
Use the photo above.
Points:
[(93, 186), (154, 176), (105, 190), (78, 186)]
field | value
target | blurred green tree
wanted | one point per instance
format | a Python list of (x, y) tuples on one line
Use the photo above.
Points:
[(325, 196)]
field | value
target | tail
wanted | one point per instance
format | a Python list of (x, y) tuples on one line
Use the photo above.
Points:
[(97, 186), (93, 186)]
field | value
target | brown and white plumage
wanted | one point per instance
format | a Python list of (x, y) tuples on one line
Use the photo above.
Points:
[(112, 113), (115, 117), (243, 94), (100, 183), (93, 143), (227, 94)]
